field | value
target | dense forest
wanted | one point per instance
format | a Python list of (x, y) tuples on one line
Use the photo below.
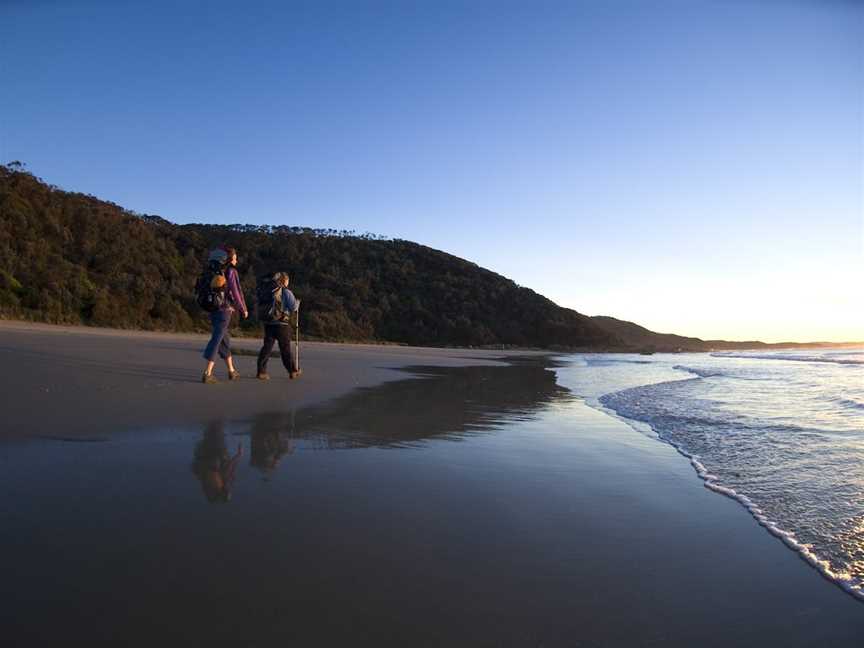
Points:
[(71, 258)]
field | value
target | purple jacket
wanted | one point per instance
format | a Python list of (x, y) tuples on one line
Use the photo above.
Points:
[(235, 295)]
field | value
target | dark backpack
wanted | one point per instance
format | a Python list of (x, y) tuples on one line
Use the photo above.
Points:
[(269, 298), (211, 298)]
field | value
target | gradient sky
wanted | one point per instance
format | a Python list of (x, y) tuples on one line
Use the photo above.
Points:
[(696, 166)]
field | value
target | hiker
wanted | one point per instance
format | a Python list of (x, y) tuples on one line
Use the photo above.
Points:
[(275, 305), (223, 262)]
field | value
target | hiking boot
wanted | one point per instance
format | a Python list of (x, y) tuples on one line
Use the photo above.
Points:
[(233, 375), (294, 374), (208, 379), (263, 375)]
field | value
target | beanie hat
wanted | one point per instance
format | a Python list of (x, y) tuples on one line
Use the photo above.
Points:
[(218, 254)]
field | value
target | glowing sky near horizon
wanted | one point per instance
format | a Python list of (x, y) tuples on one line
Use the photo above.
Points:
[(696, 166)]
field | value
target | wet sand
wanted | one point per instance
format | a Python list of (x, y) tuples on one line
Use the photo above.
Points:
[(462, 505)]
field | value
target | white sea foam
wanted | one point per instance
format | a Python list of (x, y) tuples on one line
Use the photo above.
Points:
[(792, 357), (851, 402), (786, 440), (701, 372), (852, 585)]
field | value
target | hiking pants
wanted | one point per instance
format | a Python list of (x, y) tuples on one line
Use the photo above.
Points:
[(273, 333), (221, 338)]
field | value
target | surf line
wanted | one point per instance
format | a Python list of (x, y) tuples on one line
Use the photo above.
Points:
[(843, 580)]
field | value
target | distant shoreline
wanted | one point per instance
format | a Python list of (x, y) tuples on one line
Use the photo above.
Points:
[(242, 335)]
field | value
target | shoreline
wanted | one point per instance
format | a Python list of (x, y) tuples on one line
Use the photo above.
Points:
[(710, 482), (609, 529)]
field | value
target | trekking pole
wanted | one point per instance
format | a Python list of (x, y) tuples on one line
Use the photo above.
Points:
[(297, 343)]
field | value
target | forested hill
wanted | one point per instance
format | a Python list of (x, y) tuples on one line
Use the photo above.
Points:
[(639, 337), (71, 258)]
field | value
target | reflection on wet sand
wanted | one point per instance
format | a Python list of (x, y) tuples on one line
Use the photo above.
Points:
[(437, 403), (331, 531), (543, 532), (269, 443), (444, 403), (214, 467)]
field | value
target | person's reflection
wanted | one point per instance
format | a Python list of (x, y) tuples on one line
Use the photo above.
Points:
[(213, 465), (270, 442)]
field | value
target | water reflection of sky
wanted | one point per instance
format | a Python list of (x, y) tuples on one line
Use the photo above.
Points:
[(781, 431), (421, 510), (98, 528)]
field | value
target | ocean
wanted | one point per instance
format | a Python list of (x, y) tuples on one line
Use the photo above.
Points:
[(781, 432)]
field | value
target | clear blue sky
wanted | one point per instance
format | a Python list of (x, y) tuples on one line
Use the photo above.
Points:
[(696, 166)]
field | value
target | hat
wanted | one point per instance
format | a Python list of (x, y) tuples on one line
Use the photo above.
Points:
[(219, 254)]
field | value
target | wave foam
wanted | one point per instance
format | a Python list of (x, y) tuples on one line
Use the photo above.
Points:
[(850, 403), (626, 405), (758, 356), (846, 581), (702, 373)]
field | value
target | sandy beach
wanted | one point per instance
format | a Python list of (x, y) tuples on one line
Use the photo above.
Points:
[(104, 379), (470, 500)]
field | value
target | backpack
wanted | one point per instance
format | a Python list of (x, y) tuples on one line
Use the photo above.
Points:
[(210, 295), (269, 298)]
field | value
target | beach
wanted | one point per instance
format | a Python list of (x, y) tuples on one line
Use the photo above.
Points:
[(59, 377), (390, 496)]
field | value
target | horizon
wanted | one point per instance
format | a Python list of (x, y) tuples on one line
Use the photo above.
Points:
[(686, 166)]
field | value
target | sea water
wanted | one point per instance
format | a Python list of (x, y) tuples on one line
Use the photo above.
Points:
[(782, 432)]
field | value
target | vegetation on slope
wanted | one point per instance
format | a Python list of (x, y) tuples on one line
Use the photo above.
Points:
[(71, 258)]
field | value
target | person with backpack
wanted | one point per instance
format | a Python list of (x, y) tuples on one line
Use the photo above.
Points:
[(219, 293), (275, 305)]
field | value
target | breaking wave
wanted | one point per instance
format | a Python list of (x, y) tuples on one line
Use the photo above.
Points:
[(786, 440), (702, 373), (793, 358)]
